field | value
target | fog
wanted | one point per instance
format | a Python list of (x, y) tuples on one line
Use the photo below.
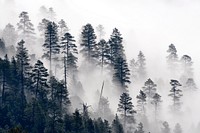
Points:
[(150, 26)]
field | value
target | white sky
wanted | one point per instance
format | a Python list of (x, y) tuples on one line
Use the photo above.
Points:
[(147, 25)]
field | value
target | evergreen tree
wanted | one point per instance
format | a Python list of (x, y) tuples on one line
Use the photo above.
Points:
[(175, 93), (177, 128), (51, 14), (156, 101), (190, 84), (125, 106), (116, 47), (139, 128), (149, 88), (69, 58), (141, 62), (62, 27), (24, 68), (104, 110), (78, 122), (59, 98), (51, 43), (100, 31), (172, 59), (186, 63), (39, 80), (117, 126), (42, 26), (9, 35), (25, 26), (88, 42), (103, 53), (165, 128), (121, 73), (134, 69), (2, 47), (141, 101), (5, 72)]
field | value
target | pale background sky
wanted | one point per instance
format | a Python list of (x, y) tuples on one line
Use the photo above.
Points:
[(147, 25)]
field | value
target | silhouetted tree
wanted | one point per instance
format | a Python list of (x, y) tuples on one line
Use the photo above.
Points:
[(24, 68), (88, 42), (116, 47), (141, 101), (51, 43), (175, 93), (149, 88), (125, 106), (121, 73), (186, 64), (103, 53), (172, 59), (117, 126), (39, 80)]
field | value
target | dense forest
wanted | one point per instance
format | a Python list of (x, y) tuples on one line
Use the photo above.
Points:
[(46, 75)]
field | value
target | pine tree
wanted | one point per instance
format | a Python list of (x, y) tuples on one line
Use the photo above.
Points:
[(104, 110), (100, 31), (25, 26), (125, 106), (121, 73), (24, 68), (186, 63), (42, 26), (149, 88), (156, 101), (175, 93), (165, 128), (5, 73), (39, 80), (139, 128), (59, 98), (103, 53), (177, 128), (116, 47), (9, 35), (78, 122), (172, 59), (190, 84), (69, 58), (51, 43), (2, 47), (59, 94), (141, 101), (117, 126), (141, 62), (62, 27), (134, 69), (88, 43), (51, 14)]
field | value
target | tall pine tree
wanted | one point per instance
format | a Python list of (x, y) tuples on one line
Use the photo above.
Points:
[(51, 43)]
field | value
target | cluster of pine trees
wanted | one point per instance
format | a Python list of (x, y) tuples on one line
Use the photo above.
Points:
[(33, 98)]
